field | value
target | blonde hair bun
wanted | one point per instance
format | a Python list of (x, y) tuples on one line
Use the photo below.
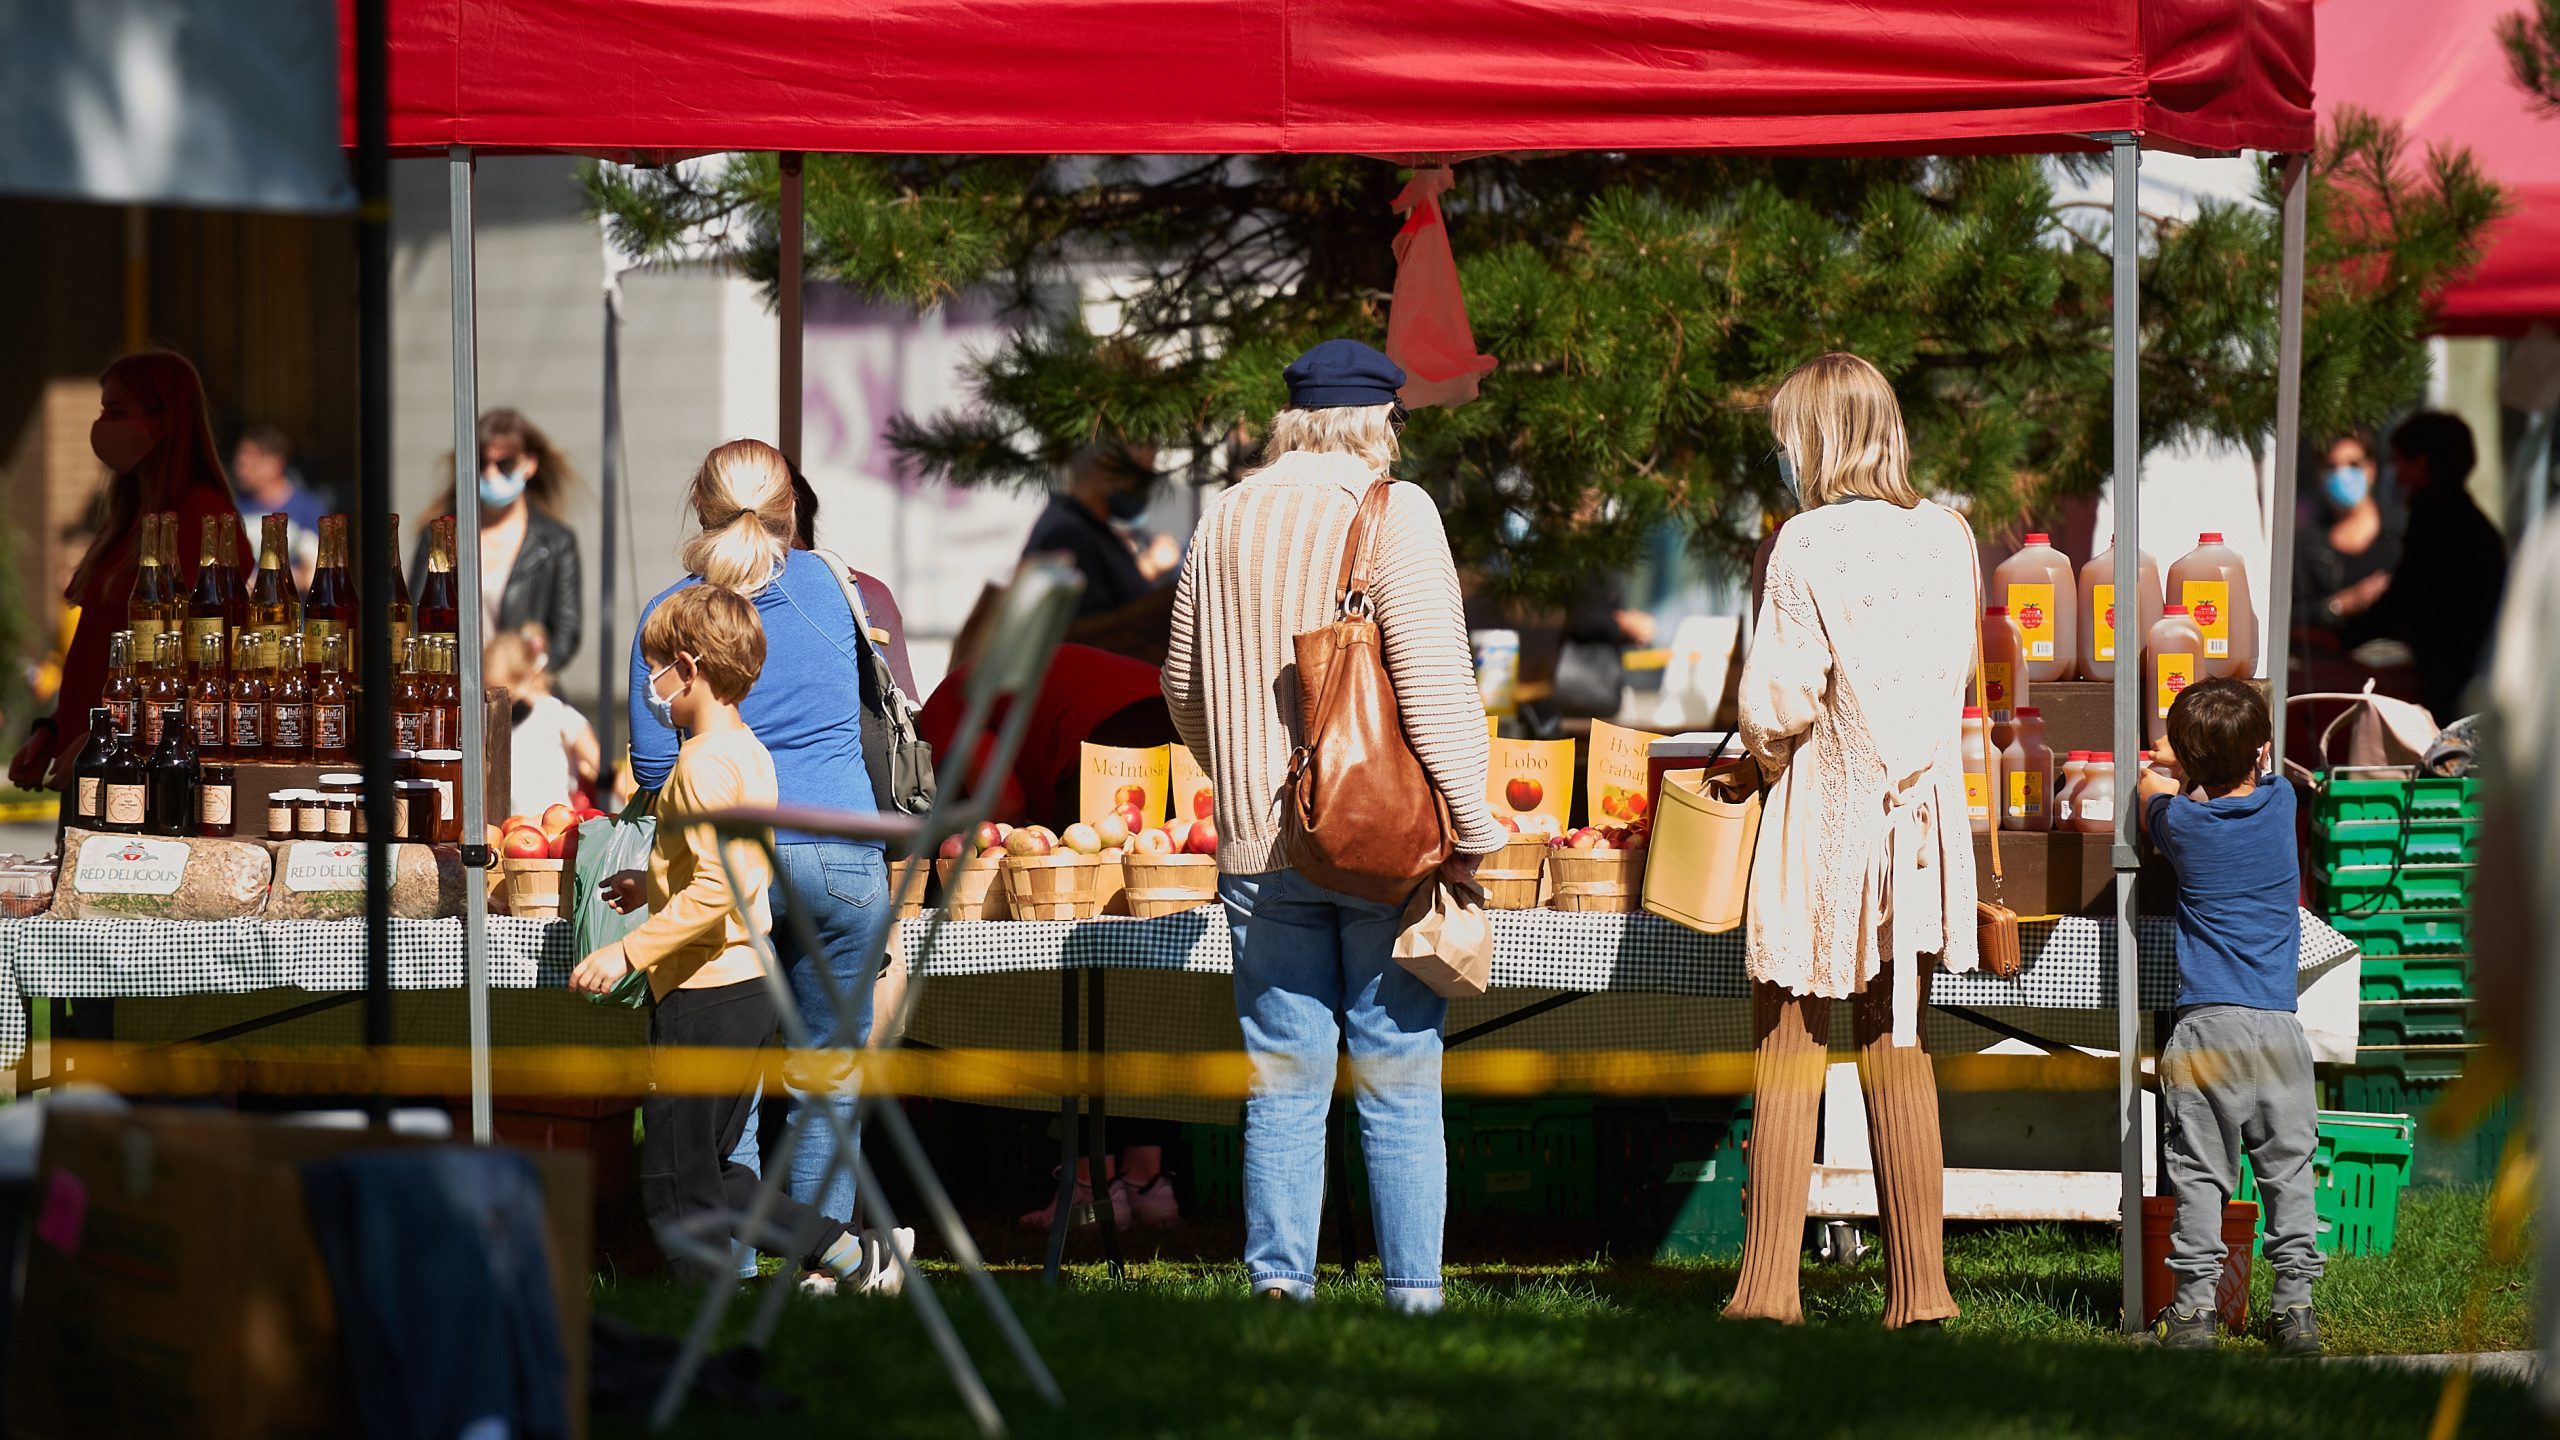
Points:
[(742, 499)]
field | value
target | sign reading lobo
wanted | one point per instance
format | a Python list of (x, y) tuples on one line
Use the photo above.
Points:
[(130, 865), (1531, 784)]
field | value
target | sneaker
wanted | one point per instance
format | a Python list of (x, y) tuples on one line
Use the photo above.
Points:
[(2175, 1329), (1151, 1205), (882, 1274), (2294, 1331)]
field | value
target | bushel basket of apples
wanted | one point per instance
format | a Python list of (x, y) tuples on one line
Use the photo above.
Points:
[(1510, 875), (534, 852), (1598, 869)]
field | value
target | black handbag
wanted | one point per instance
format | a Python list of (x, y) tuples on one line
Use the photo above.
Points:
[(1591, 679), (900, 762)]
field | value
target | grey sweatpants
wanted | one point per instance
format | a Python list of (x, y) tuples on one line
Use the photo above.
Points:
[(2234, 1078)]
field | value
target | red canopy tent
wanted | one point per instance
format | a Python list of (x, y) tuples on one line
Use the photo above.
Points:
[(657, 79), (2445, 78)]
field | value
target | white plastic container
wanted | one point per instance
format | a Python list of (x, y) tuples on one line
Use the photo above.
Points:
[(2041, 594)]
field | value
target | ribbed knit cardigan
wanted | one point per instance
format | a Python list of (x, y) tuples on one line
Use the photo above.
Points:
[(1260, 571)]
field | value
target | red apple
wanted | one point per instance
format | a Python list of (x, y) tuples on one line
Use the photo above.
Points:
[(565, 845), (1524, 793), (1131, 816), (1111, 830), (1203, 802), (1133, 796), (523, 844), (1609, 806), (1203, 839), (1509, 824), (559, 815), (1029, 841), (497, 837), (952, 845), (1586, 838), (1153, 842), (1634, 806), (1082, 839), (988, 836)]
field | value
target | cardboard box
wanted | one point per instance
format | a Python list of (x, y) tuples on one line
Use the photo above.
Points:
[(173, 1286)]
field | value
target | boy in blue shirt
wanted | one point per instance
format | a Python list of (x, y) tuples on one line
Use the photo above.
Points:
[(2235, 1072)]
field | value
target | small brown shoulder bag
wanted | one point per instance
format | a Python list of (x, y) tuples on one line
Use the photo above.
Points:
[(1364, 818)]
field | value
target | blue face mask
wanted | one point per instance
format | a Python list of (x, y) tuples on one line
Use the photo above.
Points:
[(1787, 478), (504, 488), (662, 708), (2346, 486), (1128, 506)]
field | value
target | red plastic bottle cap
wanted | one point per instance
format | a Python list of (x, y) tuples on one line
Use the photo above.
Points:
[(2039, 537), (2173, 609), (1995, 609), (1973, 712), (2210, 537), (2025, 710)]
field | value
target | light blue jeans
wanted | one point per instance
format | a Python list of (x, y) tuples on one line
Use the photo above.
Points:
[(845, 887), (1312, 967)]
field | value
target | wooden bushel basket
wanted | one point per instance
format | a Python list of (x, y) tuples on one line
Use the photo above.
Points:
[(969, 889), (533, 888), (1052, 887), (1510, 875), (1169, 884), (1606, 882), (906, 886)]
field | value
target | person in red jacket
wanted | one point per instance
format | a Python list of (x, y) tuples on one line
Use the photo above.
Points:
[(153, 437)]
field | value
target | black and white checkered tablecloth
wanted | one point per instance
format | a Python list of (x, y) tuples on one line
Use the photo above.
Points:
[(2070, 962)]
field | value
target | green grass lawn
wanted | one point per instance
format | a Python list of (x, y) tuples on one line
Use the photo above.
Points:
[(1601, 1349)]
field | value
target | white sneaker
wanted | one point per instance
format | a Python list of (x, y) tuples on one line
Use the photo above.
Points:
[(882, 1272)]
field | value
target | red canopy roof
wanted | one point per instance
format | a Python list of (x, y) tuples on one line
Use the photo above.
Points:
[(2442, 74), (670, 77)]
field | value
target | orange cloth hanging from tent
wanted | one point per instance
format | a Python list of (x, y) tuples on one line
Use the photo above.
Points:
[(1427, 330)]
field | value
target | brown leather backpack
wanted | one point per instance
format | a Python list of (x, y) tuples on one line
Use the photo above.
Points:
[(1364, 818)]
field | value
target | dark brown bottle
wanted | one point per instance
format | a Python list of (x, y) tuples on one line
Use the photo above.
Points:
[(128, 787), (408, 701), (123, 691), (330, 608), (395, 594), (207, 612), (209, 700), (89, 772), (439, 610), (215, 794), (249, 700), (332, 709), (288, 734), (165, 690), (235, 584), (175, 807)]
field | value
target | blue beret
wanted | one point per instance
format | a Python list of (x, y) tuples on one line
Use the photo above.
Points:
[(1342, 373)]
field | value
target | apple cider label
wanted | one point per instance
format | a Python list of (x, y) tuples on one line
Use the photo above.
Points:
[(2177, 671), (127, 804), (2208, 603), (1998, 694), (2102, 599), (2032, 607), (248, 725), (409, 730), (206, 717), (2026, 794), (329, 727), (290, 726), (1977, 797)]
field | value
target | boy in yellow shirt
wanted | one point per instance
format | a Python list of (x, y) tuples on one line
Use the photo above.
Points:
[(705, 648)]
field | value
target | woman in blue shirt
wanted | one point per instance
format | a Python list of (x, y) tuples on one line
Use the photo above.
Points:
[(807, 709)]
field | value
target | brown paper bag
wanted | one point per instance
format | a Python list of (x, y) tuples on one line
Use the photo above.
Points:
[(1447, 940)]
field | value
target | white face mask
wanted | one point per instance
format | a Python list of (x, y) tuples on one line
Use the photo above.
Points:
[(662, 708)]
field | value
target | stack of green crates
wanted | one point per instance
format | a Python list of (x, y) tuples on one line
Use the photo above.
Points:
[(2358, 1171), (2396, 860)]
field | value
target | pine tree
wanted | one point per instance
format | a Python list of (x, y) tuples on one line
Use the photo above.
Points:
[(1642, 307), (2533, 47)]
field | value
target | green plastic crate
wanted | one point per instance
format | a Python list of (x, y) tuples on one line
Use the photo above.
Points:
[(2428, 797), (2417, 1064), (2364, 843), (1671, 1172), (2387, 934), (2384, 1023), (2442, 1161), (1522, 1157), (2359, 1168), (2414, 977), (1217, 1168), (2368, 889)]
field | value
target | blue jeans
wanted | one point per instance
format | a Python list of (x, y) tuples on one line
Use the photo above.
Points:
[(1312, 967), (844, 887)]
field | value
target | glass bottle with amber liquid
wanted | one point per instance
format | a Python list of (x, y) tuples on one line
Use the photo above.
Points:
[(165, 690), (147, 612), (332, 705), (127, 776), (209, 701), (208, 608), (249, 700), (439, 610), (288, 734), (330, 608), (175, 806), (395, 593), (235, 584), (123, 691), (408, 700), (275, 607), (89, 772)]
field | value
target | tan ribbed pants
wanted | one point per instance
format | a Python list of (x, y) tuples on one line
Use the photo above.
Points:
[(1902, 1129)]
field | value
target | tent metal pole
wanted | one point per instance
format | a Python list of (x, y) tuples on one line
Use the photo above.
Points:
[(609, 551), (2288, 451), (2130, 1136), (373, 505), (787, 428), (476, 859)]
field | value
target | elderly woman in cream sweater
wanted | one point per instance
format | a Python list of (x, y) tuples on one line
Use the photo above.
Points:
[(1852, 702)]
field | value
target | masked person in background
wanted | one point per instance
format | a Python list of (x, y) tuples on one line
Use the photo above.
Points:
[(2346, 538), (2442, 599), (528, 558), (1089, 519), (152, 436)]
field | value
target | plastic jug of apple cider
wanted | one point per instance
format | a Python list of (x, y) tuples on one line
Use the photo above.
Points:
[(2066, 788), (2172, 660), (2004, 671), (2036, 585), (2027, 773), (1981, 770), (2099, 630), (2213, 583), (2093, 808)]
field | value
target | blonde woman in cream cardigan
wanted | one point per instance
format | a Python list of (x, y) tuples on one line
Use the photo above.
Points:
[(1852, 702)]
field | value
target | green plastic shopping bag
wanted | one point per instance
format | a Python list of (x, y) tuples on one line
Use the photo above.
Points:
[(606, 848)]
